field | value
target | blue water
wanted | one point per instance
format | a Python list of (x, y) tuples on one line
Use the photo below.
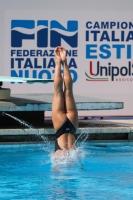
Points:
[(94, 171)]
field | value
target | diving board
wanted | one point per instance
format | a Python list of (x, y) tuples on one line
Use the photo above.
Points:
[(23, 80), (5, 92)]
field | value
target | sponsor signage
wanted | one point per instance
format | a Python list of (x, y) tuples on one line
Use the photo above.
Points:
[(99, 48)]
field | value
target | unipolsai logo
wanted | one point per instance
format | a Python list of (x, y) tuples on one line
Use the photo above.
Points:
[(38, 31), (106, 41)]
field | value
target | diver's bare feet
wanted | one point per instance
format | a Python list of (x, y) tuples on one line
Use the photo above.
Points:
[(57, 54), (62, 53)]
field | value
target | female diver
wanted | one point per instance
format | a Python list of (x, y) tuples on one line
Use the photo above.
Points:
[(64, 111)]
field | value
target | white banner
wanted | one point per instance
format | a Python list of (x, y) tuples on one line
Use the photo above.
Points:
[(99, 49)]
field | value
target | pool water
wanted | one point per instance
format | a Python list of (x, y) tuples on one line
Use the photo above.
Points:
[(93, 171)]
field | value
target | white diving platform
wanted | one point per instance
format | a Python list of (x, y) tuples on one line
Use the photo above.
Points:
[(43, 102), (31, 108)]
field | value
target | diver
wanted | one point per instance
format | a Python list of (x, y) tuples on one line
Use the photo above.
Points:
[(64, 111)]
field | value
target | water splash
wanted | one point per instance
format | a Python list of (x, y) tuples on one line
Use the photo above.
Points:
[(69, 158), (86, 135), (22, 122)]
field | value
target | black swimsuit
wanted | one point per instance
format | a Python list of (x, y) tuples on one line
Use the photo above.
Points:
[(67, 127)]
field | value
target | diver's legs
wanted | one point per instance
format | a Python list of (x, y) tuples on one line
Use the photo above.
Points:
[(58, 104), (70, 105)]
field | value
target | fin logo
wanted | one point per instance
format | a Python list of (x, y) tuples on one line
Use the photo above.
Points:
[(27, 29)]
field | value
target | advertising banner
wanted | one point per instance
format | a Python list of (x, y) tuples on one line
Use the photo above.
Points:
[(99, 49)]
